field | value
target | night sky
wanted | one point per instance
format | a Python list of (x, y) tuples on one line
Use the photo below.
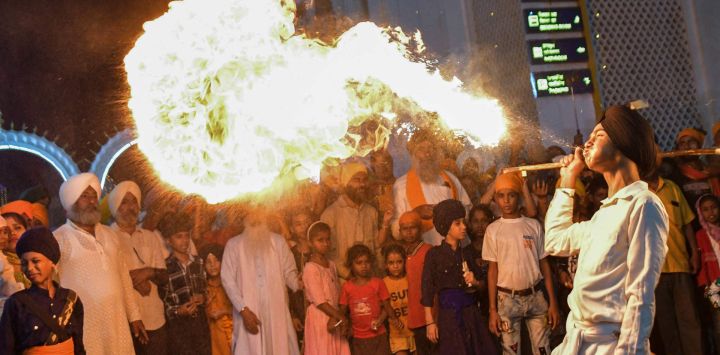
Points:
[(61, 72)]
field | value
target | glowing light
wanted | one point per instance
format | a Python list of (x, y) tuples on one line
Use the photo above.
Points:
[(227, 100), (111, 161), (39, 154)]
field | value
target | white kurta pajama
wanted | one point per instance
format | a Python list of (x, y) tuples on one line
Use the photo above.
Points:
[(255, 274), (621, 253), (94, 268)]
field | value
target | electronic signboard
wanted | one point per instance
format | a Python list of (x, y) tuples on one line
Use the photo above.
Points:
[(553, 51), (560, 82), (556, 19)]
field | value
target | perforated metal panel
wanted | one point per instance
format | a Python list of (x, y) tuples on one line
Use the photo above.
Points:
[(642, 52)]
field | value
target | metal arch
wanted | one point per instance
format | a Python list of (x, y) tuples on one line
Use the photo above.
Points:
[(41, 147), (110, 151)]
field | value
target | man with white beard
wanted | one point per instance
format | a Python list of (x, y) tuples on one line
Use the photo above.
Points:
[(257, 266), (91, 265), (425, 185), (143, 254)]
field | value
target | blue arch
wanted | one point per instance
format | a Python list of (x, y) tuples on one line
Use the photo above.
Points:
[(41, 147)]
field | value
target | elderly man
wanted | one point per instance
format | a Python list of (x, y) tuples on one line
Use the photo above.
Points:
[(256, 269), (143, 255), (91, 264), (351, 218), (425, 185), (621, 249)]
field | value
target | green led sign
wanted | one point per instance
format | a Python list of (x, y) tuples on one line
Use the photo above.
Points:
[(571, 50), (561, 82), (561, 19)]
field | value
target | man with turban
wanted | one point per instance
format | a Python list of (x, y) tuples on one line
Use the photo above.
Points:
[(693, 176), (91, 264), (425, 185), (621, 249), (351, 218), (143, 254)]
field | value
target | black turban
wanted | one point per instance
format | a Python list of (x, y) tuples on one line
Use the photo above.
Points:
[(214, 249), (632, 135), (445, 212), (39, 240)]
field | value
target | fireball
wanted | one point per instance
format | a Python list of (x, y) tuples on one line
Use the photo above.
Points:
[(227, 100)]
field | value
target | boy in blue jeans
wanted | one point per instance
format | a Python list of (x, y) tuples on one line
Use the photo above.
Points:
[(514, 247)]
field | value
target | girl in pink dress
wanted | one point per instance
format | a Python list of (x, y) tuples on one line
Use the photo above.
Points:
[(325, 325)]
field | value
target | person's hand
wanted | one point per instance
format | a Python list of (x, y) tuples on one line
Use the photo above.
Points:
[(141, 275), (250, 321), (540, 189), (375, 324), (573, 165), (297, 324), (425, 211), (143, 288), (695, 261), (397, 323), (553, 316), (387, 217), (470, 278), (432, 332), (566, 279), (138, 330), (494, 323), (187, 309)]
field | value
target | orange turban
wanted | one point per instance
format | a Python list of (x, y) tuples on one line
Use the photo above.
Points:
[(693, 133), (510, 181), (20, 207), (410, 217), (41, 214)]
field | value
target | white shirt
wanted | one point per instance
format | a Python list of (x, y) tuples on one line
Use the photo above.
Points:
[(516, 245), (621, 253), (92, 267), (143, 249), (350, 225), (434, 193)]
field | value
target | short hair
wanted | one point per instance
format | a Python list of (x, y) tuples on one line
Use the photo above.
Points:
[(357, 251), (172, 223), (18, 217), (316, 228), (482, 208), (394, 248)]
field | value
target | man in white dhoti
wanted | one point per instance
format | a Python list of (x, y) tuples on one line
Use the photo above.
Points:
[(91, 264), (257, 267), (621, 249)]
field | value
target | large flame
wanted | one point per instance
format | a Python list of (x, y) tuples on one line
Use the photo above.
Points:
[(227, 99)]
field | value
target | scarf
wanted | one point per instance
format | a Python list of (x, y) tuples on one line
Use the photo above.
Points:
[(416, 196), (695, 174)]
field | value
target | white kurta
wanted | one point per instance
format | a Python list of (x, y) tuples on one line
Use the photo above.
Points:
[(256, 275), (621, 253), (93, 268), (434, 193)]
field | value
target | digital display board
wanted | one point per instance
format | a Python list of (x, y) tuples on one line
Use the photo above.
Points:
[(559, 82), (561, 19), (551, 51)]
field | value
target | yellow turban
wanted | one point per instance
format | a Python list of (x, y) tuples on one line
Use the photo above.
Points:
[(693, 133), (349, 170)]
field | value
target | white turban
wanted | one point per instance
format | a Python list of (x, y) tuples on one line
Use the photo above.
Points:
[(71, 189), (119, 192)]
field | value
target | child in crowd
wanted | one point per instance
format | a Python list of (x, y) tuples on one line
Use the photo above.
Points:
[(8, 284), (708, 241), (46, 318), (299, 222), (449, 276), (325, 324), (514, 246), (401, 337), (366, 297), (185, 290), (218, 307), (18, 225)]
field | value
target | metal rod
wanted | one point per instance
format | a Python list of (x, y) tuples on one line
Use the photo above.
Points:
[(671, 154)]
